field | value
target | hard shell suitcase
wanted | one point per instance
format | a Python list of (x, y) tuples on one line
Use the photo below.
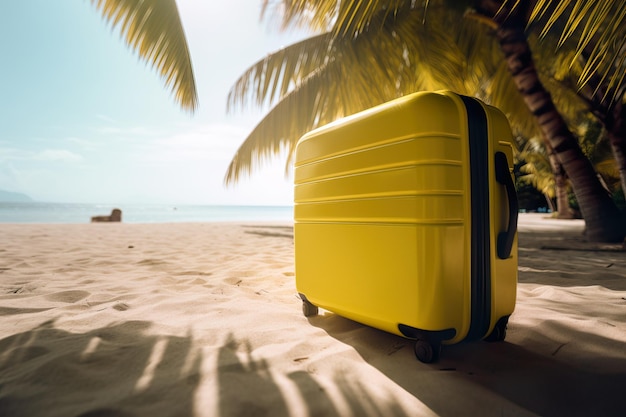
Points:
[(405, 219)]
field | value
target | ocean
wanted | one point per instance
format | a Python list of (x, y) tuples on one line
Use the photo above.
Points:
[(36, 212)]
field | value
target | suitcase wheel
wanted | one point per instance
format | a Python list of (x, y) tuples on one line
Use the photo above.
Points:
[(309, 309), (427, 352), (499, 331)]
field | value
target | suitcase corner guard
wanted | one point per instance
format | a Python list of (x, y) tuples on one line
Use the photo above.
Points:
[(427, 342)]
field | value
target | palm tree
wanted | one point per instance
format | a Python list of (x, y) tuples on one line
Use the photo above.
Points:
[(604, 221), (598, 60), (536, 164), (592, 68), (602, 217), (599, 30), (502, 93), (583, 13), (595, 142), (153, 29), (613, 116)]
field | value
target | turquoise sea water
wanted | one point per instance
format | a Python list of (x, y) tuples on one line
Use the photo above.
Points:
[(139, 213)]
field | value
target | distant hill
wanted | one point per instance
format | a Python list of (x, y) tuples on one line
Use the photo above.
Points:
[(11, 197)]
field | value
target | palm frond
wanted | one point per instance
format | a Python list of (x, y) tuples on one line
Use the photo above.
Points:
[(296, 113), (536, 169), (609, 170), (599, 29), (271, 78), (153, 29), (301, 13), (502, 93), (433, 52), (477, 44), (354, 17)]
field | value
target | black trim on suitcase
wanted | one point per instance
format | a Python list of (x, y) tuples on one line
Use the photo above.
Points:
[(480, 223), (431, 336)]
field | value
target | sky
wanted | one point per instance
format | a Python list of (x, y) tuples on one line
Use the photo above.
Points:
[(84, 120)]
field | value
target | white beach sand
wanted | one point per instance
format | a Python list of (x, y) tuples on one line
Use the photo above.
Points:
[(203, 320)]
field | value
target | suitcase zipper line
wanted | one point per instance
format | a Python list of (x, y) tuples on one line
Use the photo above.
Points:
[(480, 287)]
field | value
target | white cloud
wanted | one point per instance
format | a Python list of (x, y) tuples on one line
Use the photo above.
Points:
[(11, 153), (57, 155), (202, 143), (105, 118), (85, 144), (127, 131)]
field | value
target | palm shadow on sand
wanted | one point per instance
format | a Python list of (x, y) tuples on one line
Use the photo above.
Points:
[(506, 378), (124, 371), (247, 386), (114, 371)]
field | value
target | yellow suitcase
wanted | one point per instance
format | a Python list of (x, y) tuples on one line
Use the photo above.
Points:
[(405, 219)]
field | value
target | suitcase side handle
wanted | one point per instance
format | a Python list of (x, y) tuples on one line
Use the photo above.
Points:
[(503, 176)]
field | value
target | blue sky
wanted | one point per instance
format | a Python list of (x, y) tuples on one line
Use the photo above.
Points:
[(84, 120)]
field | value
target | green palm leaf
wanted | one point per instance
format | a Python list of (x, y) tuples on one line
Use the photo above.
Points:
[(300, 13), (599, 28), (153, 29), (272, 77), (536, 169)]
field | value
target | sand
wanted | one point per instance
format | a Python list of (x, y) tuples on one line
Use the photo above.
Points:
[(203, 320)]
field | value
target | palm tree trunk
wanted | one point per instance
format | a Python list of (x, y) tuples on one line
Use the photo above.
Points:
[(560, 184), (602, 217), (618, 145), (614, 121), (615, 124), (550, 204), (612, 115)]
